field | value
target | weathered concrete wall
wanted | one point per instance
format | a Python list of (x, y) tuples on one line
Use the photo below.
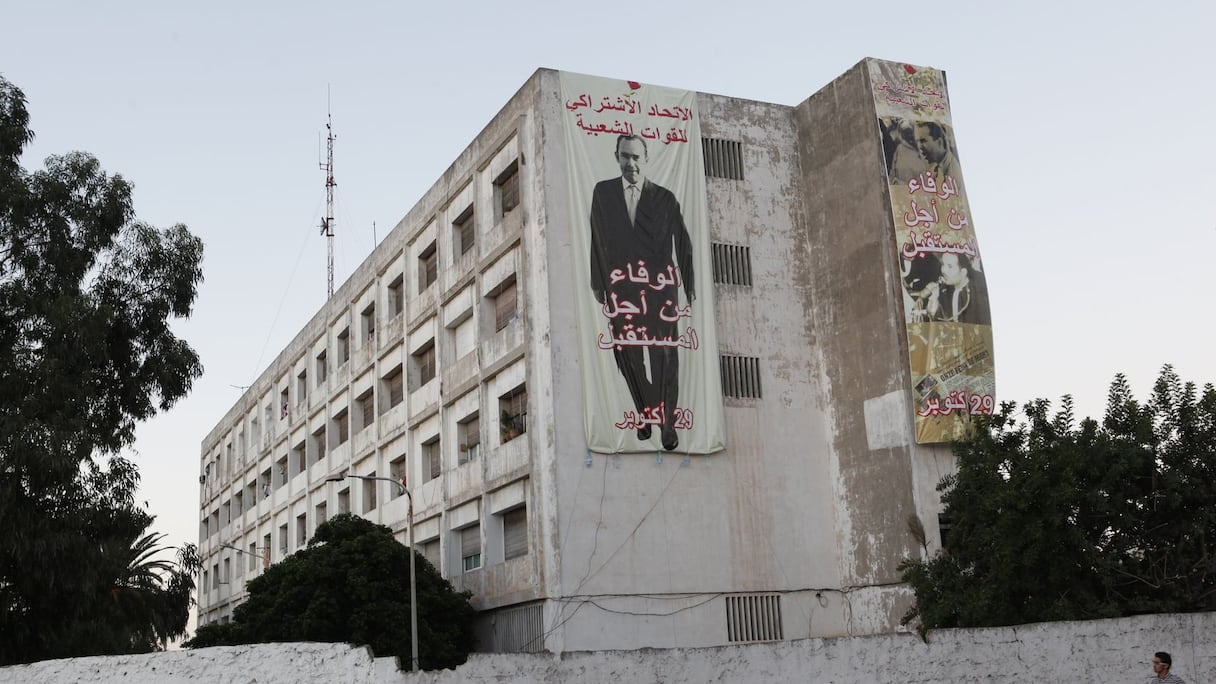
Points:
[(1093, 652)]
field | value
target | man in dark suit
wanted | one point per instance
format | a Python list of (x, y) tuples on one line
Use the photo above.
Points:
[(641, 255)]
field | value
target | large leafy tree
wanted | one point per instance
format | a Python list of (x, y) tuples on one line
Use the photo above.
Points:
[(1052, 519), (87, 295), (351, 584)]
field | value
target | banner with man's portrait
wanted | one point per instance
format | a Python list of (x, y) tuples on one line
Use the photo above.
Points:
[(641, 266), (945, 292)]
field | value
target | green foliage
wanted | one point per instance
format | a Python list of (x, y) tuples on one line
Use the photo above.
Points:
[(86, 296), (1052, 520), (351, 584)]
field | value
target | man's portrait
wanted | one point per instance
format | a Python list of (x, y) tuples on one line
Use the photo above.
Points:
[(641, 260)]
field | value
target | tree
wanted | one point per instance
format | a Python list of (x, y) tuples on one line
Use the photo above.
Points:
[(351, 584), (86, 352), (1051, 520)]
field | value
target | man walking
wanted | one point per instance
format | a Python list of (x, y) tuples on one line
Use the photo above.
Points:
[(1161, 670)]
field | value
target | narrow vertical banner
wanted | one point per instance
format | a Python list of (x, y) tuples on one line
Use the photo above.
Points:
[(641, 267), (944, 288)]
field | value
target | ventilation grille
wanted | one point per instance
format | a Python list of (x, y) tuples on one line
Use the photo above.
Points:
[(740, 376), (732, 264), (753, 618), (519, 629), (723, 158)]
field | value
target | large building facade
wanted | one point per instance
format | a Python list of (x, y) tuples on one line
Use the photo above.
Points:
[(456, 357)]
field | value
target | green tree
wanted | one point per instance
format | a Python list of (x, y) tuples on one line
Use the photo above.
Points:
[(1055, 520), (351, 584), (86, 352)]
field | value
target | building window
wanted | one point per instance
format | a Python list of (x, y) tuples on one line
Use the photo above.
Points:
[(469, 433), (368, 318), (238, 501), (424, 364), (464, 336), (367, 409), (302, 387), (301, 530), (226, 514), (723, 158), (396, 470), (344, 501), (428, 267), (281, 469), (432, 459), (322, 514), (515, 533), (514, 413), (344, 346), (394, 387), (740, 376), (470, 547), (283, 403), (464, 231), (206, 575), (504, 304), (732, 264), (283, 539), (318, 443), (252, 557), (322, 368), (430, 551), (266, 547), (396, 297), (369, 493), (506, 189), (342, 423)]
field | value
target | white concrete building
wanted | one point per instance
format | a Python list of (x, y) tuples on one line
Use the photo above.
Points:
[(449, 358)]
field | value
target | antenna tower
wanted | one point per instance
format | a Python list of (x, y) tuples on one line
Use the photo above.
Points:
[(327, 224)]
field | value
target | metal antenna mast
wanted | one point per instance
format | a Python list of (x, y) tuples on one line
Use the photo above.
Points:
[(327, 224)]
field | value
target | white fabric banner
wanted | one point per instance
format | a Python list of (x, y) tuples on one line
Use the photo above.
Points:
[(641, 267)]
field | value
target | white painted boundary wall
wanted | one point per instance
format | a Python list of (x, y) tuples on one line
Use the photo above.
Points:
[(1092, 652)]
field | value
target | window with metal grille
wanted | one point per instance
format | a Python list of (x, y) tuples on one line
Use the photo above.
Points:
[(367, 409), (344, 346), (470, 547), (430, 551), (396, 470), (506, 188), (369, 322), (723, 158), (740, 376), (753, 618), (396, 296), (369, 493), (432, 458), (394, 384), (469, 432), (322, 367), (504, 304), (464, 231), (513, 420), (515, 533), (424, 364), (342, 423), (428, 267), (732, 264)]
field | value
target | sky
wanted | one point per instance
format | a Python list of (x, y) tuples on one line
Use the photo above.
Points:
[(1075, 123)]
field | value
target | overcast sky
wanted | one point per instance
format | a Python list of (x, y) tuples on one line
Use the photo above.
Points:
[(1089, 176)]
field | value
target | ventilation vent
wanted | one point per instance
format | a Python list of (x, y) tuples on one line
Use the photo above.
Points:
[(740, 376), (723, 158), (519, 629), (753, 618), (732, 264)]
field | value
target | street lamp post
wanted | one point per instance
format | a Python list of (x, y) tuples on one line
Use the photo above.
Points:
[(413, 575)]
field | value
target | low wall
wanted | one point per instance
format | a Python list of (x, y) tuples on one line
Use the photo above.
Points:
[(1091, 652)]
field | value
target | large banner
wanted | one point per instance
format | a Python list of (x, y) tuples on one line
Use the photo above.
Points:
[(641, 262), (944, 290)]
